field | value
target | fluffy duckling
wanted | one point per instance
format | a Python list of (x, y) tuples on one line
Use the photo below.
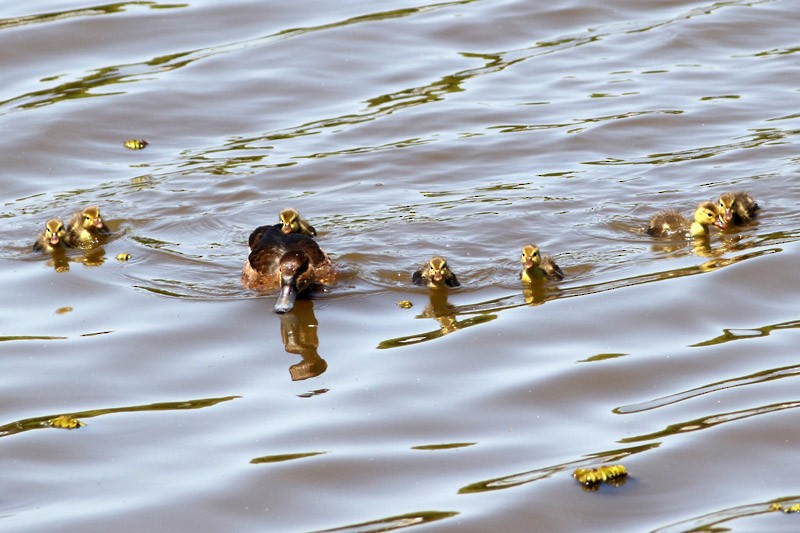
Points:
[(737, 208), (292, 223), (53, 238), (669, 223), (536, 266), (435, 274), (86, 227), (292, 262)]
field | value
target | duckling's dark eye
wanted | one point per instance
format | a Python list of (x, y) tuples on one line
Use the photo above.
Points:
[(60, 229)]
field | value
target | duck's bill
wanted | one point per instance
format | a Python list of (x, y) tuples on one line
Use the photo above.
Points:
[(286, 298), (720, 223)]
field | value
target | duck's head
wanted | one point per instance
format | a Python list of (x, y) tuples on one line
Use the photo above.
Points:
[(91, 218), (725, 205), (531, 257), (296, 275), (54, 231), (290, 221), (438, 271), (708, 213)]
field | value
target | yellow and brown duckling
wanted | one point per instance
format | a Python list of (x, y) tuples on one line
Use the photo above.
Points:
[(670, 223), (53, 238), (291, 262), (737, 208), (435, 274), (292, 223), (536, 266), (86, 227)]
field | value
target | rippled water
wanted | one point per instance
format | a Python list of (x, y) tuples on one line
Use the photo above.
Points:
[(465, 129)]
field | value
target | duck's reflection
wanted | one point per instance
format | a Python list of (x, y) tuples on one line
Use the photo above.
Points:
[(445, 314), (299, 336)]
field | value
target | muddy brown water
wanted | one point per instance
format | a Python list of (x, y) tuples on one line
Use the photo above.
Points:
[(465, 129)]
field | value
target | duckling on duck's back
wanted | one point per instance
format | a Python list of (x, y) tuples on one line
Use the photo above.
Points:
[(537, 266), (86, 227), (669, 223), (292, 262), (737, 207), (435, 274), (292, 223), (53, 238)]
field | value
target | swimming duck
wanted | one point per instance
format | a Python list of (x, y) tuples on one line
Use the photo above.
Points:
[(53, 237), (537, 266), (292, 262), (668, 223), (737, 208), (435, 274), (86, 227), (292, 223)]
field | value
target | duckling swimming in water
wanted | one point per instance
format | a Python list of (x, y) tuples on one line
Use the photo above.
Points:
[(292, 262), (669, 223), (292, 223), (536, 266), (737, 208), (53, 238), (86, 227), (435, 274)]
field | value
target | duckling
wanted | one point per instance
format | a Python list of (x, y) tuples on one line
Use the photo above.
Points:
[(435, 274), (292, 262), (668, 223), (537, 266), (86, 227), (292, 223), (53, 238), (737, 208)]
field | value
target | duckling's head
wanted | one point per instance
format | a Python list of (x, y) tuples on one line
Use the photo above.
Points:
[(530, 256), (91, 218), (290, 221), (54, 231), (708, 213), (438, 271), (295, 274), (725, 205)]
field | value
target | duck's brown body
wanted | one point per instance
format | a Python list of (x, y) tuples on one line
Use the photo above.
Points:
[(292, 262), (86, 228), (671, 223), (536, 266), (737, 208), (435, 274), (52, 238)]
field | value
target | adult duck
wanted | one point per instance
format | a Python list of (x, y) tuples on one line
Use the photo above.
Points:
[(291, 262)]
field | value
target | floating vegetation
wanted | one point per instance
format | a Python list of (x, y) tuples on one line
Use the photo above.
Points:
[(123, 257), (592, 477), (135, 144), (65, 422), (405, 304)]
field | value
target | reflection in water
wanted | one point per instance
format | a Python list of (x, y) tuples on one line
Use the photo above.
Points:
[(737, 334), (299, 335), (41, 422), (513, 480), (708, 522), (284, 457), (445, 314), (393, 522), (751, 379), (711, 421)]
